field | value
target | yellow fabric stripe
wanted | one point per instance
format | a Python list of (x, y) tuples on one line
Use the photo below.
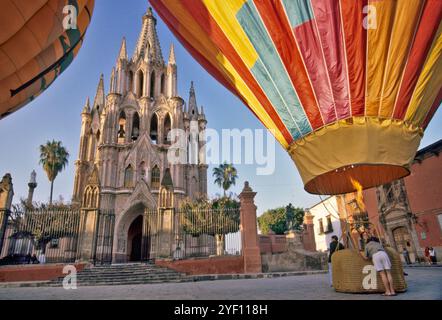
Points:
[(429, 83), (402, 35), (377, 53), (251, 100), (224, 13), (192, 32)]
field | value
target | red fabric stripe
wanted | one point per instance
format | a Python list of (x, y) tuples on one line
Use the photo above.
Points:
[(310, 47), (356, 47), (274, 17), (328, 20), (173, 24), (204, 19), (433, 109), (426, 32)]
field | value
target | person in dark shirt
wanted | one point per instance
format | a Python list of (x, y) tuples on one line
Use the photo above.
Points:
[(334, 245)]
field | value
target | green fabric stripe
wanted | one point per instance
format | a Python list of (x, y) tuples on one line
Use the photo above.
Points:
[(291, 112), (298, 11)]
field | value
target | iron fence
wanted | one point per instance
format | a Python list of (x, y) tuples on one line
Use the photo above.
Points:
[(53, 235), (105, 237), (43, 236), (181, 234)]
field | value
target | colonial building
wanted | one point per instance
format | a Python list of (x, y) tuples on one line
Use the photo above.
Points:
[(409, 211), (339, 215), (124, 145)]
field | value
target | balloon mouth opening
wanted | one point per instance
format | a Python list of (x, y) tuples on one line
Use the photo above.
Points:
[(340, 181)]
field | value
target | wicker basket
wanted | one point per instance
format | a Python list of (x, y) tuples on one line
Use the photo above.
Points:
[(348, 273)]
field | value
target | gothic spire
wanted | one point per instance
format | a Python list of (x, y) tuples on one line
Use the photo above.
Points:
[(193, 107), (112, 80), (87, 107), (123, 51), (99, 96), (172, 59), (148, 40)]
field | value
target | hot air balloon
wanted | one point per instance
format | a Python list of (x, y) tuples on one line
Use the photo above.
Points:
[(347, 86), (38, 40)]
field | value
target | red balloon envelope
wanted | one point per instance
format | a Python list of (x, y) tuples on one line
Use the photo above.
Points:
[(347, 86)]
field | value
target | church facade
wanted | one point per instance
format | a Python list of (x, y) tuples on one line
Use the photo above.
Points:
[(124, 143)]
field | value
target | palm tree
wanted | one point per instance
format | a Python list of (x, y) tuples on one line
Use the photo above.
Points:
[(225, 176), (53, 158)]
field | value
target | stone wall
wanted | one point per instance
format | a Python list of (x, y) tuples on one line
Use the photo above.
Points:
[(213, 265), (24, 273), (290, 256)]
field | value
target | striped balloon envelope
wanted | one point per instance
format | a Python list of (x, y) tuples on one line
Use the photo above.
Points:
[(38, 40), (347, 86)]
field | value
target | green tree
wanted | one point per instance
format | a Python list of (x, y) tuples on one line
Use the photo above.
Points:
[(282, 219), (41, 225), (53, 158), (216, 218), (225, 176), (294, 217)]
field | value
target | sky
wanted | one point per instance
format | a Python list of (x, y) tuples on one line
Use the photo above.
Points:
[(55, 114)]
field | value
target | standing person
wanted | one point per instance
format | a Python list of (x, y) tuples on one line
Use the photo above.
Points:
[(382, 263), (433, 255), (406, 256), (427, 255), (334, 245)]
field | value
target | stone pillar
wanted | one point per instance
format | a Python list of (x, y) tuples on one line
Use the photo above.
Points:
[(32, 185), (309, 232), (6, 194), (87, 242), (249, 231)]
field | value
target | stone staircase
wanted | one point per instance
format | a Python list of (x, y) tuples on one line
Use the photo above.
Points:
[(125, 274)]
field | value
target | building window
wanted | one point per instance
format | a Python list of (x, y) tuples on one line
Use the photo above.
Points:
[(135, 126), (152, 84), (122, 128), (163, 84), (154, 129), (140, 84), (155, 179), (329, 225), (131, 81), (423, 235), (321, 226), (129, 177), (167, 128)]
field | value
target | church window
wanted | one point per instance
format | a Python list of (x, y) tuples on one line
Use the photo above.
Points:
[(131, 81), (97, 136), (167, 128), (135, 126), (140, 83), (163, 84), (152, 84), (155, 180), (128, 177), (154, 129), (122, 127)]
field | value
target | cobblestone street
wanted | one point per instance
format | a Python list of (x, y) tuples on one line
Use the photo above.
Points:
[(423, 283)]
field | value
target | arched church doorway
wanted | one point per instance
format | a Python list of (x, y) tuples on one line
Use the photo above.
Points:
[(134, 239), (402, 240)]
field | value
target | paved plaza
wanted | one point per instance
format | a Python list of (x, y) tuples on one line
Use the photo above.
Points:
[(423, 283)]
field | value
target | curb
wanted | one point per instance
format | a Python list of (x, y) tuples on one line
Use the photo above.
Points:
[(192, 278)]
